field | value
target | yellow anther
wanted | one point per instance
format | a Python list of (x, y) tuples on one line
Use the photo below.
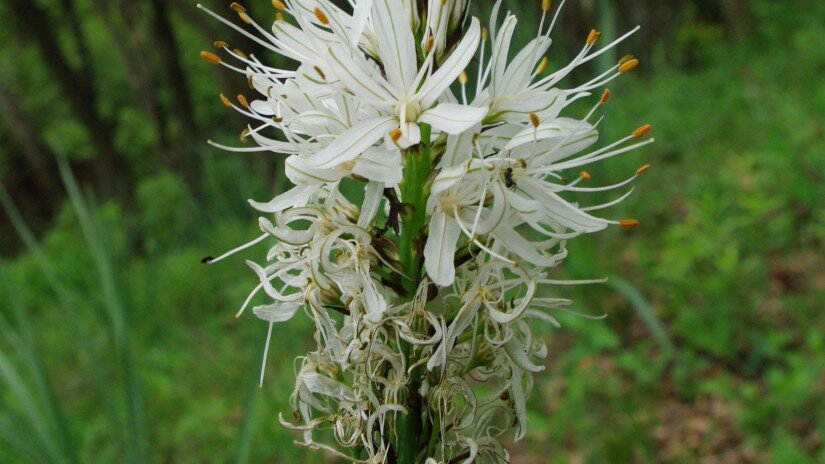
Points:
[(249, 82), (226, 101), (642, 169), (542, 65), (395, 134), (625, 59), (522, 162), (279, 16), (605, 96), (322, 18), (642, 131), (278, 4), (629, 223), (220, 44), (593, 37), (628, 65), (277, 120), (241, 12), (429, 45), (484, 33), (534, 120), (320, 72), (239, 52), (210, 57), (244, 135), (462, 78), (242, 100), (546, 5), (585, 175)]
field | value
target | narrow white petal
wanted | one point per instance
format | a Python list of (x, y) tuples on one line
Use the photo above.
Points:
[(296, 196), (396, 44), (348, 145), (439, 252), (453, 118), (436, 84), (357, 75), (277, 312)]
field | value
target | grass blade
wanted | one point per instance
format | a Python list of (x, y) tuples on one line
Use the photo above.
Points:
[(137, 441), (646, 311)]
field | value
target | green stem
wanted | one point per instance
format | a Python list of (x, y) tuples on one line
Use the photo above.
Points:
[(414, 193)]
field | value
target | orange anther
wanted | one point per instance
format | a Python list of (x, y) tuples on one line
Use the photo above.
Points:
[(605, 96), (322, 18), (210, 57), (642, 131)]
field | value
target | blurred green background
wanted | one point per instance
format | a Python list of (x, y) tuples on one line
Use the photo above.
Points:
[(118, 346)]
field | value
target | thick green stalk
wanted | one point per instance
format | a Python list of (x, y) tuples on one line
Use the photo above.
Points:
[(414, 194)]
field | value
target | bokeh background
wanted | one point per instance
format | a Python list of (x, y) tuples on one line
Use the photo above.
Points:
[(117, 345)]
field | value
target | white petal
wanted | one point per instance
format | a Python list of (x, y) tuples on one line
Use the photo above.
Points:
[(277, 312), (436, 84), (452, 118), (359, 76), (501, 50), (296, 196), (373, 194), (459, 148), (350, 144), (379, 164), (556, 129), (299, 172), (317, 383), (519, 356), (396, 44), (439, 252)]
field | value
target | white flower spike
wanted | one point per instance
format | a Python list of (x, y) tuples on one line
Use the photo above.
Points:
[(433, 278)]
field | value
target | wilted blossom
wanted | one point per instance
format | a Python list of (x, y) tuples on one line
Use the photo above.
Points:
[(432, 175)]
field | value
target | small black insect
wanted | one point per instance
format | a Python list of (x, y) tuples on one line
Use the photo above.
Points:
[(508, 179)]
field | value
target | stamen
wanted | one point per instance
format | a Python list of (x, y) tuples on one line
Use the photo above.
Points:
[(211, 57), (628, 223), (220, 44), (211, 260), (546, 5), (429, 45), (462, 78), (320, 72), (534, 120), (395, 134), (226, 101), (322, 18), (625, 59), (243, 101), (593, 37), (241, 12), (643, 169), (628, 65), (585, 175), (278, 4), (542, 66), (642, 131), (605, 96), (279, 16)]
